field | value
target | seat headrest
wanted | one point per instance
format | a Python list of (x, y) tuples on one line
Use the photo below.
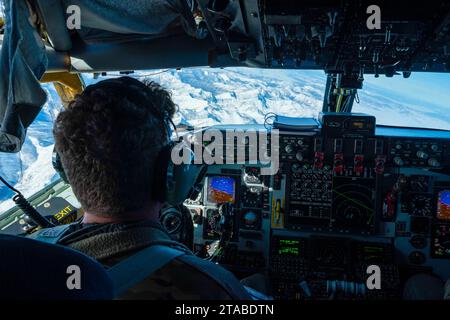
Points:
[(30, 269)]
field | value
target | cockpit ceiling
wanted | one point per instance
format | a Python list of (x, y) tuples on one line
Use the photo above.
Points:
[(337, 36)]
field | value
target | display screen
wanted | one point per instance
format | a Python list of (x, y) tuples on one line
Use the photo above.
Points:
[(221, 190), (373, 253), (358, 125), (443, 205), (373, 250), (353, 204), (441, 241), (288, 247), (212, 227)]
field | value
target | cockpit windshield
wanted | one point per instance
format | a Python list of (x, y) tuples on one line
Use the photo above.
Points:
[(207, 96), (422, 101)]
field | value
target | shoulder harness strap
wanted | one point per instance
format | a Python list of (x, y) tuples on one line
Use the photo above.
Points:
[(51, 235), (133, 270)]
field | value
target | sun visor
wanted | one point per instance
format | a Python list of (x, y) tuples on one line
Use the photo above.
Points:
[(101, 18)]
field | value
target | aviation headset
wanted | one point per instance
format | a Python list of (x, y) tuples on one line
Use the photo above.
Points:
[(172, 183)]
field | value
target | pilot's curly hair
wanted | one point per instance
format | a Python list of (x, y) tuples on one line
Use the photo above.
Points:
[(108, 140)]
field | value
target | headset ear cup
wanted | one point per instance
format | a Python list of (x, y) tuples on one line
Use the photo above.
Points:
[(57, 165), (163, 174)]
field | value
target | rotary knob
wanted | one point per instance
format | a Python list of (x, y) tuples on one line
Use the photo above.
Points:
[(399, 161), (295, 167), (299, 156), (422, 154), (434, 163), (288, 148)]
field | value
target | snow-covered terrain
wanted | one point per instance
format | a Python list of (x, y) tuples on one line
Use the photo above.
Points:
[(211, 96), (31, 169)]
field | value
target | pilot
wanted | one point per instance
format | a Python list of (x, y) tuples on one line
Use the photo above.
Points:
[(108, 140)]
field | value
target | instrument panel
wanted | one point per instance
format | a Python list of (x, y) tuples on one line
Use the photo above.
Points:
[(338, 204)]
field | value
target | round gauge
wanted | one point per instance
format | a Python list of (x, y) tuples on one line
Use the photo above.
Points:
[(418, 242), (250, 219), (417, 257), (419, 183), (421, 205), (171, 220)]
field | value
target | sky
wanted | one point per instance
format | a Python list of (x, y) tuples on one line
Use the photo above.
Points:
[(428, 87)]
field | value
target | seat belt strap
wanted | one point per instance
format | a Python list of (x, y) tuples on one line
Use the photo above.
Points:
[(133, 270)]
